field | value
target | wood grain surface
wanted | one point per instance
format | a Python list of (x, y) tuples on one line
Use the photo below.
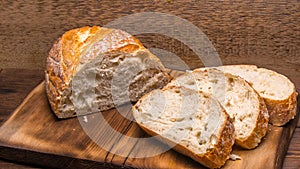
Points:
[(259, 32), (34, 135)]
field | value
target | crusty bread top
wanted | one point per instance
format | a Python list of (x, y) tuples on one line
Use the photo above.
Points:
[(78, 46)]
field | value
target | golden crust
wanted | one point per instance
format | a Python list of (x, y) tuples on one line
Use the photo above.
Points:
[(76, 47), (282, 111)]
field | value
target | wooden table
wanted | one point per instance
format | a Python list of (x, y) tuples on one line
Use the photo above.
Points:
[(265, 33)]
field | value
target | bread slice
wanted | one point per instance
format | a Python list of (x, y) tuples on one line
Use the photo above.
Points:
[(240, 100), (92, 69), (278, 92), (195, 122)]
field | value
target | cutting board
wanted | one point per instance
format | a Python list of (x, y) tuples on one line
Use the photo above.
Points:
[(34, 135)]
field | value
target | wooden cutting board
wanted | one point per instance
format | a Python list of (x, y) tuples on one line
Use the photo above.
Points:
[(34, 135)]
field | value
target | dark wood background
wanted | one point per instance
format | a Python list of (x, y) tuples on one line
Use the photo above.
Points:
[(261, 32)]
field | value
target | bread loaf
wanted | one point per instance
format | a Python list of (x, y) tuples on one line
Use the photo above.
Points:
[(240, 100), (91, 69), (278, 92), (195, 122)]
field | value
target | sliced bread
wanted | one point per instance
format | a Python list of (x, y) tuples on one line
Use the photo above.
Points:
[(278, 92), (195, 122), (240, 100)]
